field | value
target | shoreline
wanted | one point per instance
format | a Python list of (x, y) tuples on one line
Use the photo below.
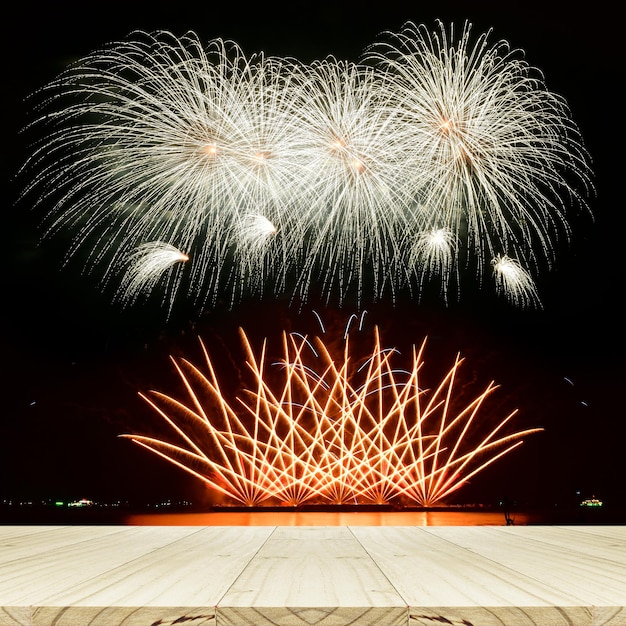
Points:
[(35, 514)]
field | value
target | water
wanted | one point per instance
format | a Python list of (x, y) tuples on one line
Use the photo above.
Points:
[(335, 518), (149, 516)]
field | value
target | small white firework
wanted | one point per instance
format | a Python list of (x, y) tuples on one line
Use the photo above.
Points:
[(433, 255), (254, 233), (256, 245), (514, 282), (146, 266)]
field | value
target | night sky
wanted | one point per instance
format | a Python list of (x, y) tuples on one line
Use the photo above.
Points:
[(72, 363)]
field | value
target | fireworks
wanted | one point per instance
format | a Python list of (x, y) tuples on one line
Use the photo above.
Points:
[(426, 160), (312, 428), (433, 254), (146, 265), (513, 280), (497, 150)]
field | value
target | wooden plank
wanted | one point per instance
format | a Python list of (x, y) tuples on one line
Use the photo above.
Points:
[(311, 566), (196, 569), (24, 541), (592, 577), (312, 616), (118, 616), (518, 616), (583, 540), (433, 571), (15, 616), (311, 575), (41, 575), (502, 616), (135, 576)]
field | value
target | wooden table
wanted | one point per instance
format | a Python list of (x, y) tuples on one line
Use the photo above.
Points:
[(312, 575)]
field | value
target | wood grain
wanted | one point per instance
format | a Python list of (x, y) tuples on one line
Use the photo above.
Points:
[(312, 576), (434, 571), (586, 565)]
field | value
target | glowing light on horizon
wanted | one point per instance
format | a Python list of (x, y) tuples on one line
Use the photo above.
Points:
[(163, 138), (317, 429)]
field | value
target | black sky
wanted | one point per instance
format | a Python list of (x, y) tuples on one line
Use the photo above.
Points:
[(72, 365)]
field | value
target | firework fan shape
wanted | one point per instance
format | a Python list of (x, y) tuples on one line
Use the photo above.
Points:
[(311, 428), (427, 159)]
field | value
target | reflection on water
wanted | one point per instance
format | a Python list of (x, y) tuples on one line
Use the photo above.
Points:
[(319, 518)]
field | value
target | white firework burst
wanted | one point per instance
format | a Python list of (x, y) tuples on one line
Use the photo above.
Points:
[(161, 138), (255, 232), (514, 282), (496, 153), (164, 139), (146, 266), (358, 203), (433, 255), (256, 247)]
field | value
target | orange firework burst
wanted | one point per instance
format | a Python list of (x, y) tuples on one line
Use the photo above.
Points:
[(315, 429)]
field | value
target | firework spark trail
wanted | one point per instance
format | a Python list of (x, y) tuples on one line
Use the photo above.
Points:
[(433, 254), (146, 267), (321, 429), (511, 278), (162, 138)]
